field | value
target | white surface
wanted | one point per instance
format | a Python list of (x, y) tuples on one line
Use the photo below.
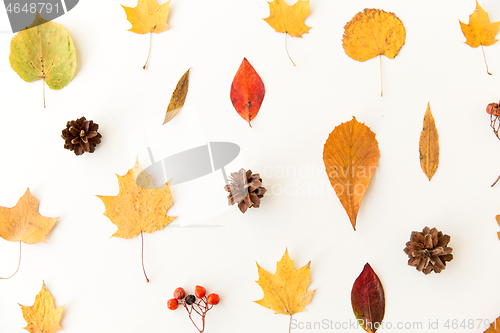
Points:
[(99, 279)]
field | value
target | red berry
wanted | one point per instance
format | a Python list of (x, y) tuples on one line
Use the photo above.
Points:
[(213, 299), (200, 291), (172, 304), (179, 293)]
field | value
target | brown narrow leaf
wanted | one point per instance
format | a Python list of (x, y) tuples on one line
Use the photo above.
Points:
[(178, 98), (429, 145), (350, 155)]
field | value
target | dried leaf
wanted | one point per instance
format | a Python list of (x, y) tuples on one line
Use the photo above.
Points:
[(43, 316), (480, 30), (372, 33), (247, 91), (44, 51), (178, 98), (350, 155), (498, 221), (429, 145), (494, 327), (23, 223), (289, 19), (148, 16), (285, 292), (136, 209), (368, 300)]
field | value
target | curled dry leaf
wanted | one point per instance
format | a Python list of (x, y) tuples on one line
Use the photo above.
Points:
[(146, 17), (247, 91), (137, 209), (178, 98), (351, 154), (480, 31), (43, 316), (285, 292), (372, 33), (45, 51), (429, 145), (368, 300), (289, 20)]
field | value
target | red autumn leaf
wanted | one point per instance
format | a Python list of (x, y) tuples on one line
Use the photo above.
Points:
[(368, 301), (247, 91)]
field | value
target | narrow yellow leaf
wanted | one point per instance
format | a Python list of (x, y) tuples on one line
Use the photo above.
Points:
[(429, 145), (178, 98)]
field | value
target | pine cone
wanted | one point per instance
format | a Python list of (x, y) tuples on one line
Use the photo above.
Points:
[(81, 136), (428, 250), (245, 189)]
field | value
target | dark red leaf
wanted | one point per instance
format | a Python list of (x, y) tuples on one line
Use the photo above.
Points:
[(247, 91), (368, 301)]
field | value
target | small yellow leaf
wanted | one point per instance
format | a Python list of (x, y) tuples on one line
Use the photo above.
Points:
[(285, 292), (429, 145), (480, 30), (372, 33), (178, 98), (136, 209), (289, 19), (148, 16), (23, 223), (43, 316)]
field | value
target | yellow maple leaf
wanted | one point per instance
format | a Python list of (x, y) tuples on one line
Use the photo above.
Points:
[(148, 16), (285, 292), (287, 19), (139, 206), (43, 316), (480, 30), (372, 33), (23, 223)]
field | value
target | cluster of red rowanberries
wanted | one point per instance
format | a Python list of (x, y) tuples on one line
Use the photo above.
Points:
[(493, 109), (198, 303), (200, 293)]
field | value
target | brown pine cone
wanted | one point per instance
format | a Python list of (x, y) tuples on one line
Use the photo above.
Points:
[(81, 136), (428, 250), (245, 189)]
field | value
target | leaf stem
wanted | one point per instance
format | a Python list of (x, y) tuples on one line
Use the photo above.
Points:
[(149, 51), (286, 47), (18, 265), (290, 325), (496, 181), (142, 256), (484, 56), (43, 89), (381, 83)]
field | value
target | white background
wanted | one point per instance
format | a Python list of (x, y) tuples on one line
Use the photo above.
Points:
[(99, 279)]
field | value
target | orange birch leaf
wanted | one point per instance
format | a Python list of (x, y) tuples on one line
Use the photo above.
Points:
[(247, 91), (350, 155)]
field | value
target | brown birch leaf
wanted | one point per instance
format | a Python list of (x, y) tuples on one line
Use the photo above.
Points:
[(351, 154), (429, 145)]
